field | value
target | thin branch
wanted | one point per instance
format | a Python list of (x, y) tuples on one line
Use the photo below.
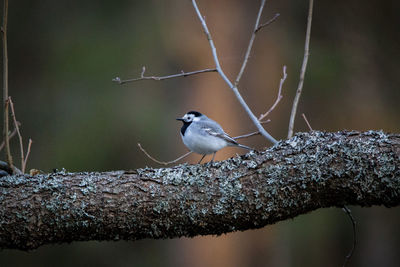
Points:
[(27, 155), (156, 78), (246, 135), (162, 162), (303, 70), (353, 222), (225, 78), (5, 85), (24, 158), (266, 121), (268, 22), (251, 134), (279, 97), (250, 46), (11, 135), (143, 71), (21, 145), (308, 124)]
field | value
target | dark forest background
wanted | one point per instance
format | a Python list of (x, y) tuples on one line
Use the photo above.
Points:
[(64, 54)]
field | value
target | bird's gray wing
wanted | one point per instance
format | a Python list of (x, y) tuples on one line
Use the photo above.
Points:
[(213, 128), (223, 135)]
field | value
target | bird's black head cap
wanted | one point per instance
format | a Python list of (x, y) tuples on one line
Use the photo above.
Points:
[(195, 113), (188, 119)]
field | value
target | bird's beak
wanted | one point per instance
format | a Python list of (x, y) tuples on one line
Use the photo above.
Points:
[(179, 119)]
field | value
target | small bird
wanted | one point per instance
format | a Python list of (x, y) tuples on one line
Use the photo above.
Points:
[(205, 136)]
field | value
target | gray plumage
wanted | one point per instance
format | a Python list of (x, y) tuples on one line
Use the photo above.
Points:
[(204, 135)]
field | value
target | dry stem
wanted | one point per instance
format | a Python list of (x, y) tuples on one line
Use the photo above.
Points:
[(303, 70), (225, 78), (11, 135), (353, 223), (5, 85), (218, 68), (21, 145), (257, 27), (251, 134), (246, 135), (308, 124), (278, 98), (162, 162), (157, 78), (24, 158), (268, 22), (250, 46), (27, 155)]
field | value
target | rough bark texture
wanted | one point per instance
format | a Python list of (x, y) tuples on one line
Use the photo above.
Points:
[(307, 172)]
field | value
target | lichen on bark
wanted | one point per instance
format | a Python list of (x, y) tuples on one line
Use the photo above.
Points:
[(309, 171)]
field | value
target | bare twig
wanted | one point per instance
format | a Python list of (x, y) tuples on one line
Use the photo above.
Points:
[(308, 124), (21, 145), (251, 134), (246, 135), (279, 97), (268, 22), (27, 155), (250, 46), (302, 71), (353, 222), (266, 121), (24, 158), (156, 78), (162, 162), (225, 78), (5, 85), (11, 135), (143, 71)]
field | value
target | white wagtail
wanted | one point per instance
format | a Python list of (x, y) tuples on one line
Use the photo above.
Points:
[(204, 136)]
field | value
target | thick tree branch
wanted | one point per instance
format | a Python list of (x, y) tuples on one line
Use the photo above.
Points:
[(310, 171)]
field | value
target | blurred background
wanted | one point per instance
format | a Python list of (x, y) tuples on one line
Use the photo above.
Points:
[(64, 54)]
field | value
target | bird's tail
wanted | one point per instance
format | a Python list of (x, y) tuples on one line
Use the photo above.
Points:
[(245, 147)]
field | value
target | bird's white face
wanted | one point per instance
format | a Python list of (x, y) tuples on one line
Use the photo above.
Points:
[(190, 118)]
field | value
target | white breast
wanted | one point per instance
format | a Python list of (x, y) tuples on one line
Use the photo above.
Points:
[(202, 144)]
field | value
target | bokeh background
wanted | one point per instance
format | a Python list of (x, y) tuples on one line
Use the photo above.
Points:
[(63, 55)]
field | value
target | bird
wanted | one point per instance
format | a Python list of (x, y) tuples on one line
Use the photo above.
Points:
[(205, 136)]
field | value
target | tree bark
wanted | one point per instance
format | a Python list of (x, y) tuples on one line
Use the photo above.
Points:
[(310, 171)]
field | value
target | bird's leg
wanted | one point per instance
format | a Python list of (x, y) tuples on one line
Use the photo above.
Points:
[(212, 160), (201, 159)]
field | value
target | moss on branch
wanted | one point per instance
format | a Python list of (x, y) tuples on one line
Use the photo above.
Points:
[(309, 171)]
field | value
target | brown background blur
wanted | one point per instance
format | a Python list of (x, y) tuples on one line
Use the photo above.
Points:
[(63, 55)]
